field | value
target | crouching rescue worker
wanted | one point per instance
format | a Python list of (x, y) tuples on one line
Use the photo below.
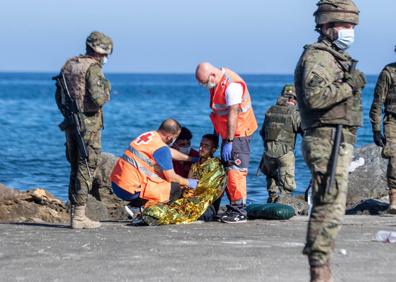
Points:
[(81, 92), (385, 95), (328, 88), (144, 175), (280, 128), (233, 119)]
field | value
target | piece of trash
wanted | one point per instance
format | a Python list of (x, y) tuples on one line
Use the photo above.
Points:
[(355, 164), (343, 252), (385, 236)]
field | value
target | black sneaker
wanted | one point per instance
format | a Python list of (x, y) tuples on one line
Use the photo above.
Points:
[(234, 215)]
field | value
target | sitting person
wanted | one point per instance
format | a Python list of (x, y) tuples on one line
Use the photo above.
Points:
[(183, 145), (197, 204), (144, 175)]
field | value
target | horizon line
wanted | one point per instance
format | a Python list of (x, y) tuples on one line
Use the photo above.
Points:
[(153, 73)]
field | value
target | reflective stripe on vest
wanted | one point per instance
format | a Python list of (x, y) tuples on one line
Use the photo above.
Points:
[(141, 156), (223, 110), (141, 168)]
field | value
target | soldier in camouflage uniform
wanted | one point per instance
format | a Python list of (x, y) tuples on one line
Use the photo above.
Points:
[(385, 95), (89, 88), (281, 125), (328, 92)]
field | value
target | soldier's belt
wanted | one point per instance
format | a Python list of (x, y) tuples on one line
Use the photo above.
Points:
[(329, 133)]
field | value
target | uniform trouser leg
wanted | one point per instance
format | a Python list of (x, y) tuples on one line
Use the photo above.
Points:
[(286, 181), (237, 169), (82, 179), (328, 209), (270, 169)]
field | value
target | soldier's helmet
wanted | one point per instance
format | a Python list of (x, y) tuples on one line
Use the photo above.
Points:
[(335, 11), (289, 91), (100, 43)]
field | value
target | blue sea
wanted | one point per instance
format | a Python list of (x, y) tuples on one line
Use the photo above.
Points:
[(32, 151)]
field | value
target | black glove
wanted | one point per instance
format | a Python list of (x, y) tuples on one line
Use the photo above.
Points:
[(356, 80), (379, 139)]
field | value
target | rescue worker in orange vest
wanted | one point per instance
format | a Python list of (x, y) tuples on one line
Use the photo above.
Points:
[(144, 175), (233, 119)]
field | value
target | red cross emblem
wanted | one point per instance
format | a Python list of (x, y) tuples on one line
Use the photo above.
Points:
[(144, 138)]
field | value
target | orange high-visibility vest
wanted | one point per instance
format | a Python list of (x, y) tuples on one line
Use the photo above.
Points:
[(137, 170), (247, 123)]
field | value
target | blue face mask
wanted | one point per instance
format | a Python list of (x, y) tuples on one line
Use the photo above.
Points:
[(105, 60), (345, 39)]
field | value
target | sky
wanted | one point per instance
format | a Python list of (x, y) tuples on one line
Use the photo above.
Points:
[(173, 36)]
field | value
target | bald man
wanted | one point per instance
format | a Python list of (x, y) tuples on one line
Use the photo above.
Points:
[(144, 174), (234, 121)]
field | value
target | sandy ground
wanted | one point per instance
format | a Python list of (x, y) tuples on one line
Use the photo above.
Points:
[(254, 251)]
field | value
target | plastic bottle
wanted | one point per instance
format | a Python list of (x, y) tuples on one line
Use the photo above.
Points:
[(385, 236)]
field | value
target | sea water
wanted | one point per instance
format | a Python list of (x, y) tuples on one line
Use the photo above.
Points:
[(32, 150)]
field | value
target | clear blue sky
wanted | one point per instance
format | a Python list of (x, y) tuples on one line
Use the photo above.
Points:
[(172, 36)]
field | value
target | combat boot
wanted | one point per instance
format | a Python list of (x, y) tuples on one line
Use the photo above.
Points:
[(321, 273), (392, 201), (81, 221)]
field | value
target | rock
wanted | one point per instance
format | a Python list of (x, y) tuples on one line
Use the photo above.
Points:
[(368, 181), (102, 204), (35, 205), (368, 207), (297, 203), (39, 206)]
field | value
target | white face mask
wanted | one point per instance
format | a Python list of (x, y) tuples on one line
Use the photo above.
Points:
[(105, 60), (345, 39), (209, 85), (185, 150)]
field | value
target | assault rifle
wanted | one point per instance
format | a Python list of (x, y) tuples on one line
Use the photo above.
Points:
[(336, 145), (72, 115)]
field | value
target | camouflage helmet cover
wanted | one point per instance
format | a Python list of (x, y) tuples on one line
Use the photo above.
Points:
[(289, 91), (333, 11), (100, 43)]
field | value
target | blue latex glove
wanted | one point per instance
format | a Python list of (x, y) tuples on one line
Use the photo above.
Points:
[(192, 183), (226, 154)]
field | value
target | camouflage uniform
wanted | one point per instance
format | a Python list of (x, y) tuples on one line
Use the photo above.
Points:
[(326, 98), (88, 86), (281, 125), (385, 95)]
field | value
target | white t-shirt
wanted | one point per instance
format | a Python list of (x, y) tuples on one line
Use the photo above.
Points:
[(234, 93)]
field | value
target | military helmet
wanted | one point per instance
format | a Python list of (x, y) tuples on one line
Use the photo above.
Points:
[(289, 91), (100, 43), (333, 11)]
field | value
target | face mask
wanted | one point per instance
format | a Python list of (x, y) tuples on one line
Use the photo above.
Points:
[(345, 39), (185, 150), (105, 60), (209, 85)]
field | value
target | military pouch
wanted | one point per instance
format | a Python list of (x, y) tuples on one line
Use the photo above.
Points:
[(272, 134)]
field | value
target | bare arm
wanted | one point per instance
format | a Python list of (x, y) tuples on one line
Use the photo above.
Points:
[(176, 155), (232, 121), (171, 176)]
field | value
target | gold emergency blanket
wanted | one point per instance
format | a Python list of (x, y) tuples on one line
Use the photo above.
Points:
[(191, 206)]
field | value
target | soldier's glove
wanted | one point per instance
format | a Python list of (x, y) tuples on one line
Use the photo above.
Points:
[(107, 89), (379, 139), (356, 80)]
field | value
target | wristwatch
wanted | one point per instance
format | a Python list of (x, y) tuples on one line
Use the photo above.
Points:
[(228, 140)]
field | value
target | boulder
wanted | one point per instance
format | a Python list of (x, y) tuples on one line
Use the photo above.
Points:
[(298, 203), (369, 180), (35, 205), (40, 206), (102, 204)]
